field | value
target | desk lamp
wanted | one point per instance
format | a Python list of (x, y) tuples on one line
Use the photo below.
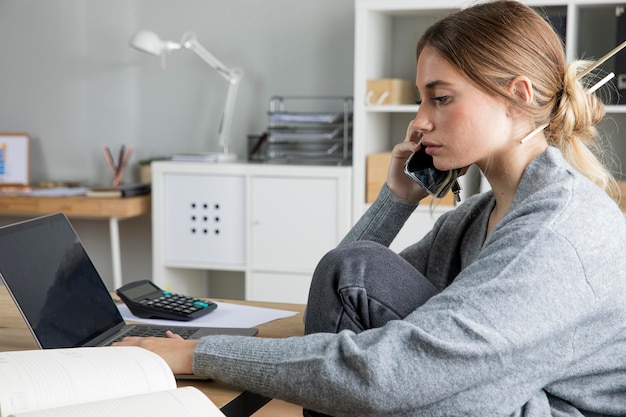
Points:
[(149, 42)]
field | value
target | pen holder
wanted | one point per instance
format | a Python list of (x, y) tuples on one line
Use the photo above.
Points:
[(257, 147), (117, 167)]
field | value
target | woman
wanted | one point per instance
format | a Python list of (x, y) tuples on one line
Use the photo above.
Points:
[(514, 303)]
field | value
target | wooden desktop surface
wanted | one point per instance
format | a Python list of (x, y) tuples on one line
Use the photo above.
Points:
[(14, 335), (79, 206)]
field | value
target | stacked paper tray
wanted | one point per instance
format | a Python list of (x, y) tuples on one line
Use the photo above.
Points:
[(306, 137)]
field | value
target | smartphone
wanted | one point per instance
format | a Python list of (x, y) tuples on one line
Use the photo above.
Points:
[(420, 167)]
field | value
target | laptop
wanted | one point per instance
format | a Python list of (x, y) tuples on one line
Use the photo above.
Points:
[(60, 293)]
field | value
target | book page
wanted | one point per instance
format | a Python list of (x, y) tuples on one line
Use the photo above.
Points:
[(188, 402), (37, 379)]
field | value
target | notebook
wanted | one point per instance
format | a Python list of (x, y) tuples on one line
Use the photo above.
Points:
[(60, 293)]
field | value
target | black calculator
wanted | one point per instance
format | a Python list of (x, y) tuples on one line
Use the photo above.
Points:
[(146, 300)]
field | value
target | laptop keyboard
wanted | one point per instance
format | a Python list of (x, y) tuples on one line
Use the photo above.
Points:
[(148, 331)]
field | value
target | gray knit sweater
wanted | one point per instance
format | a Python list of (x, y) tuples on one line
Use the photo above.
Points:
[(530, 321)]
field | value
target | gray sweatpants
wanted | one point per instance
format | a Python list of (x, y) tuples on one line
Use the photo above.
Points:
[(360, 286), (363, 285)]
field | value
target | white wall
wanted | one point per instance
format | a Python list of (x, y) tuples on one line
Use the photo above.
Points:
[(70, 80)]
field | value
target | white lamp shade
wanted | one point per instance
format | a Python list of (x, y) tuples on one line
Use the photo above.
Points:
[(147, 41)]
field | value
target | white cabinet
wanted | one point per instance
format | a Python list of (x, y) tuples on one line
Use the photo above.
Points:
[(386, 33), (270, 223)]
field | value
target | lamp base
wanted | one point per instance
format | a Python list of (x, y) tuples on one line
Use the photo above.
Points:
[(226, 157), (205, 157)]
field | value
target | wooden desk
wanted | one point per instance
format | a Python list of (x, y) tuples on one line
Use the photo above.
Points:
[(113, 209), (14, 335)]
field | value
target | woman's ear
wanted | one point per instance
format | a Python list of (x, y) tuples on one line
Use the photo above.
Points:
[(521, 88)]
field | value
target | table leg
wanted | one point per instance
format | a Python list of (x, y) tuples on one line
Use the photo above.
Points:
[(116, 257)]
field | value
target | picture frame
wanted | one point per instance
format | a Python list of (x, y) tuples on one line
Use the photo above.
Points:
[(14, 159)]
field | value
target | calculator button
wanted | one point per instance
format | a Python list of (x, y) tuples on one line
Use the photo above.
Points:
[(201, 304)]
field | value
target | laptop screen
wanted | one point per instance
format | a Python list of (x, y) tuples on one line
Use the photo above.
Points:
[(54, 283)]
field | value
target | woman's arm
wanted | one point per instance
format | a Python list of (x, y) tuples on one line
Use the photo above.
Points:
[(382, 221)]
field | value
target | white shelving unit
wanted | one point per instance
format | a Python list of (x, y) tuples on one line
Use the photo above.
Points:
[(265, 224), (386, 33)]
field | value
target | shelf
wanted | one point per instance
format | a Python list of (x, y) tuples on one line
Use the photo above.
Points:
[(392, 108), (205, 266), (610, 108), (615, 108), (442, 208)]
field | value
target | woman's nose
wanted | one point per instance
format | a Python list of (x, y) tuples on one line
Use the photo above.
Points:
[(421, 121)]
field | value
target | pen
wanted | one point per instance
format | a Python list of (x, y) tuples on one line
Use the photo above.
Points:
[(120, 159), (109, 158), (122, 163)]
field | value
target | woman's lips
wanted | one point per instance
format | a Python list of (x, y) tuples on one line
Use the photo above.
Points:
[(430, 148)]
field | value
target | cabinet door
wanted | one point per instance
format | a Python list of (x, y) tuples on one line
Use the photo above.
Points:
[(294, 222), (278, 287), (203, 219)]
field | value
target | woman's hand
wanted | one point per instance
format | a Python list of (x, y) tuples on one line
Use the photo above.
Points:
[(176, 351), (400, 184)]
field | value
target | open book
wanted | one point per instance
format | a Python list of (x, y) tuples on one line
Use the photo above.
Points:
[(93, 382)]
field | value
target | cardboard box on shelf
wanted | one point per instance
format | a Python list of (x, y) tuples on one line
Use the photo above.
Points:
[(389, 91), (376, 167)]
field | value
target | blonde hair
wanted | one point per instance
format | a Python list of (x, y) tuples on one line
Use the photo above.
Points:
[(494, 42)]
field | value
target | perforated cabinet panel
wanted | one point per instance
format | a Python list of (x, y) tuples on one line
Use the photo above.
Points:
[(204, 219)]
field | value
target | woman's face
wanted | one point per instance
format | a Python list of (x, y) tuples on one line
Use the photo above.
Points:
[(460, 124)]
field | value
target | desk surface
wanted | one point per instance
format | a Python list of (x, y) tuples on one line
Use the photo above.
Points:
[(14, 335), (88, 207)]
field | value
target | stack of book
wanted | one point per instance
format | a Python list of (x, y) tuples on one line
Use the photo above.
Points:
[(124, 190)]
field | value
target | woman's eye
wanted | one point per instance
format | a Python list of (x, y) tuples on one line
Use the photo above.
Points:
[(441, 99)]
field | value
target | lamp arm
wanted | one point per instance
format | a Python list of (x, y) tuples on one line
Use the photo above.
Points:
[(229, 108), (189, 41), (233, 76)]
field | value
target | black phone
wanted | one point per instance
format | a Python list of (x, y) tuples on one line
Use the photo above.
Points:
[(146, 300), (420, 167)]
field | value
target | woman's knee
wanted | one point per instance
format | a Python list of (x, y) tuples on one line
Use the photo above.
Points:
[(342, 267), (367, 279), (346, 264)]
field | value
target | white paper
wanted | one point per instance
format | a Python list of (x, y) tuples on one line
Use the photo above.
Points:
[(225, 315)]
